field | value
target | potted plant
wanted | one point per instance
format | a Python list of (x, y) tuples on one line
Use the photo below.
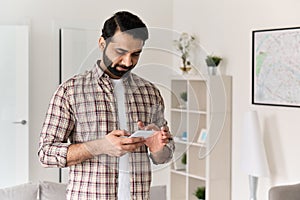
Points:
[(212, 63), (184, 45), (200, 193), (183, 102), (183, 96)]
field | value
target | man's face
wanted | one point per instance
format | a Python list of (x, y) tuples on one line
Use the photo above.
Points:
[(121, 54)]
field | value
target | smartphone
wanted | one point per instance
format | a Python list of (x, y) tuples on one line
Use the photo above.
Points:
[(142, 133)]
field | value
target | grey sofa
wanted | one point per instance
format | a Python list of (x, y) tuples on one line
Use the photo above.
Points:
[(285, 192), (32, 191), (56, 191)]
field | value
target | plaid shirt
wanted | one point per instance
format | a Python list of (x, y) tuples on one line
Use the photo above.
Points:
[(83, 109)]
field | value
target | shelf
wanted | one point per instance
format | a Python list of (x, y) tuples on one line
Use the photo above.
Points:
[(180, 141), (179, 172), (184, 173), (209, 169), (197, 112), (188, 77), (196, 177), (183, 142), (188, 111), (197, 144), (178, 110)]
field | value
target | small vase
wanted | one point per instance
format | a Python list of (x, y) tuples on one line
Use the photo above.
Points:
[(185, 69), (212, 70), (182, 104)]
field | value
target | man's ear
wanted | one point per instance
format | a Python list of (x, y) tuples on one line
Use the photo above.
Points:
[(101, 43)]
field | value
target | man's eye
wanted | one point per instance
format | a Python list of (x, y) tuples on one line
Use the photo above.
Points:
[(136, 54), (120, 52)]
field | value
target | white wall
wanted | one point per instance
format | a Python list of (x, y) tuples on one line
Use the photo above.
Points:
[(224, 28), (45, 17)]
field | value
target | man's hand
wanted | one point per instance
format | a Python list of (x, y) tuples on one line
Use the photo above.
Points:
[(115, 143), (119, 145), (159, 139)]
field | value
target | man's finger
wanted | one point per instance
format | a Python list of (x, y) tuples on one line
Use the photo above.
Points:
[(133, 140), (141, 125), (165, 129), (120, 133), (152, 127), (131, 147)]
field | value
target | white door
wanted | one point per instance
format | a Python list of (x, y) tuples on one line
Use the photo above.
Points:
[(14, 59), (78, 53)]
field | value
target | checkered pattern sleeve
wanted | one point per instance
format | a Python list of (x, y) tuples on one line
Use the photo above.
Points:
[(57, 126)]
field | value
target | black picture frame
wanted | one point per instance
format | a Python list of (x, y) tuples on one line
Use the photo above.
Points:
[(276, 67)]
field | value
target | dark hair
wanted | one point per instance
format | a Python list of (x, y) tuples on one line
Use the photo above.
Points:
[(125, 21)]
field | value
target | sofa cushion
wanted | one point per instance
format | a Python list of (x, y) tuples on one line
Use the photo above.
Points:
[(52, 191), (158, 192), (27, 191), (286, 192)]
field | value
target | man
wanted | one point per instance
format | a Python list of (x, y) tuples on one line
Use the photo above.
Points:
[(98, 110)]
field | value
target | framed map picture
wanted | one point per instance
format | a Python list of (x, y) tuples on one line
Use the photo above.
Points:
[(276, 67)]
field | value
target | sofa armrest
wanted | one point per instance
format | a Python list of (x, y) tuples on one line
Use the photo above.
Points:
[(27, 191), (285, 192), (158, 192), (50, 191)]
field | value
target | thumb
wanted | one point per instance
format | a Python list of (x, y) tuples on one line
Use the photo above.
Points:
[(119, 133), (141, 125)]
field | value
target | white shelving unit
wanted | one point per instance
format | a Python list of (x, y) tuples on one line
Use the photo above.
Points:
[(208, 164)]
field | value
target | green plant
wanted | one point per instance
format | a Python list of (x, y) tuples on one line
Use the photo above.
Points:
[(183, 159), (213, 61), (200, 193), (183, 96), (184, 45)]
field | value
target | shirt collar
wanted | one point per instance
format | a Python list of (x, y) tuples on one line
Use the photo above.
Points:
[(98, 71)]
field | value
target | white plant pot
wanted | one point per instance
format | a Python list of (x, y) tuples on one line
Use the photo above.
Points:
[(183, 104), (212, 70)]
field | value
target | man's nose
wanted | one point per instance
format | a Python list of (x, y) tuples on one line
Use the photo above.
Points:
[(126, 60)]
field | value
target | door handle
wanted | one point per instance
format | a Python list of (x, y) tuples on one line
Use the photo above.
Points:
[(23, 122)]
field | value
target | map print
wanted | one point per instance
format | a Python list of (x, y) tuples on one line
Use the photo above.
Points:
[(277, 67)]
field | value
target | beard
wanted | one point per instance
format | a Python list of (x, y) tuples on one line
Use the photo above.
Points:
[(113, 69)]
